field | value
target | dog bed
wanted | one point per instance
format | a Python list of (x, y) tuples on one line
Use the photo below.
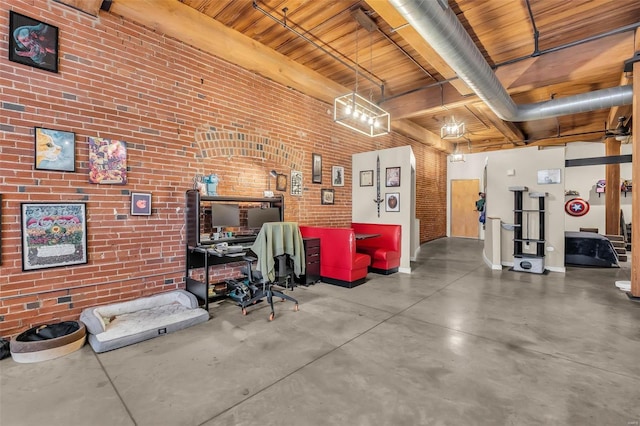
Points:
[(45, 342), (125, 323)]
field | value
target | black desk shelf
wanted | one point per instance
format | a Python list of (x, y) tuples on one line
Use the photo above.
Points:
[(197, 254)]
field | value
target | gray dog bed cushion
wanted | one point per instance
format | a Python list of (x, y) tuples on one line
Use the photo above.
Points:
[(125, 323)]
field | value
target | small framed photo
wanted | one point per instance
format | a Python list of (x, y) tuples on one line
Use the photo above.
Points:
[(393, 177), (281, 182), (327, 196), (316, 168), (140, 204), (337, 176), (392, 202), (55, 150), (366, 178), (32, 42), (296, 183), (53, 234)]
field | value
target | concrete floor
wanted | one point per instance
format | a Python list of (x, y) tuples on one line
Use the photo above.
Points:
[(453, 343)]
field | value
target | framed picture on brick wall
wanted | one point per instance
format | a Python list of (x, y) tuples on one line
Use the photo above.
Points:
[(32, 42), (140, 204), (55, 150), (107, 161), (53, 235)]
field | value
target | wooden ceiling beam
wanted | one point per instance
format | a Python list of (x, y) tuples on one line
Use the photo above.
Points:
[(177, 20), (415, 40), (510, 131), (92, 7), (554, 69)]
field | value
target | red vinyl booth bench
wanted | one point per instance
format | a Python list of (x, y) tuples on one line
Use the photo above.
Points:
[(384, 249), (340, 263)]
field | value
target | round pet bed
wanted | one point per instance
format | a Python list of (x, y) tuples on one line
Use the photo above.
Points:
[(47, 342)]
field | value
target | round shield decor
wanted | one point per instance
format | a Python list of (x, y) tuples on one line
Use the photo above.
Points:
[(576, 207)]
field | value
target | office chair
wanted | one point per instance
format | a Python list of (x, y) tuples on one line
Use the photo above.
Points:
[(281, 248)]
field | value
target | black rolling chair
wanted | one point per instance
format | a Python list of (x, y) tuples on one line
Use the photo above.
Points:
[(284, 241)]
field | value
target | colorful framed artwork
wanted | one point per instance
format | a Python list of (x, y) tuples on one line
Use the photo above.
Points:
[(366, 178), (337, 176), (140, 204), (32, 42), (296, 183), (55, 150), (392, 202), (327, 196), (53, 235), (316, 168), (281, 182), (393, 177), (107, 161)]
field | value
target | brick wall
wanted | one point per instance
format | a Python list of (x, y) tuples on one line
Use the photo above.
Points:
[(181, 112)]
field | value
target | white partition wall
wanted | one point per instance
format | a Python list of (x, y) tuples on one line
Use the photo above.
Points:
[(365, 209)]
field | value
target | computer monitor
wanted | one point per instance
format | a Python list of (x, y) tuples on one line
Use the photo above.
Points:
[(257, 216), (225, 215)]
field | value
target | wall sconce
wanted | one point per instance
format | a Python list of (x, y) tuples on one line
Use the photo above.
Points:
[(452, 130), (269, 192)]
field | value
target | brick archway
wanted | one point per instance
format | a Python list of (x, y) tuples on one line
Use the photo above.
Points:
[(212, 143)]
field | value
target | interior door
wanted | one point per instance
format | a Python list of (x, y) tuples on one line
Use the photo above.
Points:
[(464, 217)]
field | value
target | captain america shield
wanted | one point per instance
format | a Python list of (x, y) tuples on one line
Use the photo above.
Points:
[(576, 207)]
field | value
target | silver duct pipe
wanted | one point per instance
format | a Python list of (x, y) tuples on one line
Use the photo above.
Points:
[(439, 26)]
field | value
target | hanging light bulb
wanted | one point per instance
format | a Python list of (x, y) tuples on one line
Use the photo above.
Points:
[(355, 113), (370, 120), (347, 110), (363, 117)]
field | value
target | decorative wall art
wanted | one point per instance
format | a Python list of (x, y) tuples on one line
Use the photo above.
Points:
[(55, 150), (366, 178), (53, 234), (32, 42), (316, 168), (140, 204), (549, 176), (392, 202), (337, 176), (107, 161), (296, 183), (393, 177), (327, 196), (281, 182)]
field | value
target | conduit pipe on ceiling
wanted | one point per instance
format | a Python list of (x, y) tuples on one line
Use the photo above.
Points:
[(439, 26)]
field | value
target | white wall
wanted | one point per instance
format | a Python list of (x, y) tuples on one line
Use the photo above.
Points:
[(364, 208), (583, 179), (525, 163)]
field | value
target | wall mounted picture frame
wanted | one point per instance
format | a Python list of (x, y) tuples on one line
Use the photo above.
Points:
[(32, 42), (337, 176), (316, 168), (392, 202), (392, 177), (281, 182), (549, 176), (53, 235), (366, 178), (140, 204), (327, 196), (54, 150), (107, 161), (296, 183)]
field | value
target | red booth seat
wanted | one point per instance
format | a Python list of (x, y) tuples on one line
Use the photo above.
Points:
[(384, 250), (340, 263)]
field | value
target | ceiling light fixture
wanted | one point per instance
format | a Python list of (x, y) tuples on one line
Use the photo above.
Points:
[(452, 129), (356, 112), (456, 156)]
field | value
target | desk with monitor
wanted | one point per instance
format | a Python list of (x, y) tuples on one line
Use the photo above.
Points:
[(209, 219)]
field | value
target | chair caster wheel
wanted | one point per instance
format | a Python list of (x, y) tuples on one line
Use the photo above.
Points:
[(296, 308), (272, 316)]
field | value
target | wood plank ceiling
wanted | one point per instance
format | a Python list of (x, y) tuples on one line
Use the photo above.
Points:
[(401, 72)]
